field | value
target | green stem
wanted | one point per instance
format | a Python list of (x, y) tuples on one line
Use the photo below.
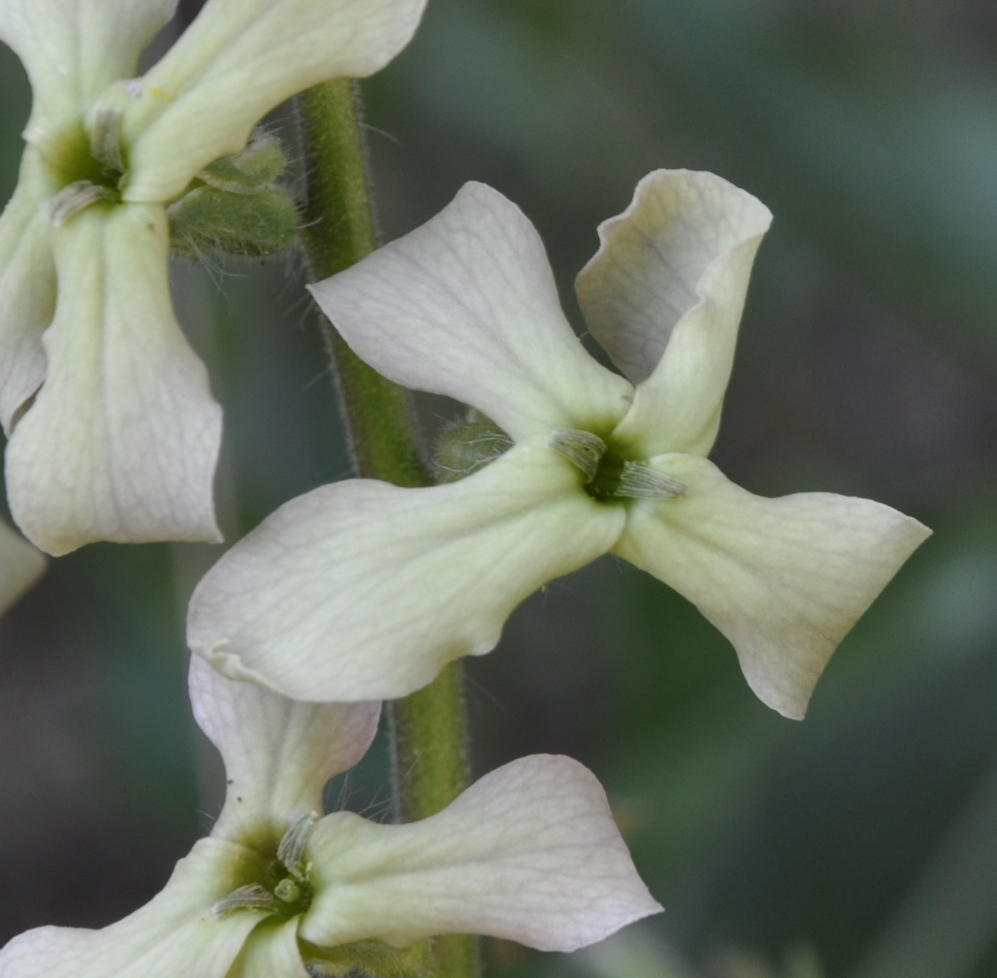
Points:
[(339, 231), (428, 728)]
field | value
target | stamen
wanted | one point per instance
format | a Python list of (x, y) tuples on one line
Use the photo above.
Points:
[(292, 846), (105, 138), (583, 449), (75, 198), (640, 481), (251, 897)]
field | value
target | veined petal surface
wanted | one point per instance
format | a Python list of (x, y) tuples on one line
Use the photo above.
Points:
[(237, 61), (20, 566), (174, 934), (466, 305), (271, 951), (72, 50), (122, 439), (362, 590), (664, 296), (529, 853), (27, 286), (278, 753), (784, 579)]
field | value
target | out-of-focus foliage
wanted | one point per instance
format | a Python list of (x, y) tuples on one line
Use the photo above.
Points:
[(861, 843)]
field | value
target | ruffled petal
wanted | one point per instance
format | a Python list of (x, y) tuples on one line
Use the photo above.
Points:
[(784, 579), (271, 952), (72, 50), (27, 286), (174, 934), (237, 61), (466, 305), (122, 439), (362, 590), (664, 295), (278, 753), (529, 853), (20, 566)]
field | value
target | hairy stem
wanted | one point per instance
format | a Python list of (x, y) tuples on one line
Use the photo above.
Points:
[(428, 728)]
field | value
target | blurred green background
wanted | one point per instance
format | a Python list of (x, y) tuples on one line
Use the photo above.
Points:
[(861, 843)]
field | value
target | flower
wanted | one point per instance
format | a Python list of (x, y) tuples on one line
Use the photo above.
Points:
[(407, 579), (530, 853), (114, 434)]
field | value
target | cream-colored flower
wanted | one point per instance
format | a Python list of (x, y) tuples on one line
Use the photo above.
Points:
[(361, 589), (114, 434), (529, 853)]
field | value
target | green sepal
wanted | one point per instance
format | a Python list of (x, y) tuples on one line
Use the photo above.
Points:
[(207, 220), (467, 446), (369, 959), (248, 172)]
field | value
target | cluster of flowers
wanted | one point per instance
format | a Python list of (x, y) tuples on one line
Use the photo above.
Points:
[(362, 591)]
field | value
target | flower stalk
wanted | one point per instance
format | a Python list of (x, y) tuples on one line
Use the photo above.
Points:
[(429, 752)]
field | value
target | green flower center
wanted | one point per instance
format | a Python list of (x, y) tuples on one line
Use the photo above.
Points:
[(611, 475), (90, 168), (282, 888)]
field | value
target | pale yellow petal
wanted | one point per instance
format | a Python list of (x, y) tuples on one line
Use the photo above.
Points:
[(72, 50), (271, 952), (278, 753), (466, 306), (529, 853), (122, 439), (237, 61), (784, 579), (27, 286), (362, 590), (664, 295), (173, 935)]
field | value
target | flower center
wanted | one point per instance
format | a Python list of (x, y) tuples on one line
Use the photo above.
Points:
[(283, 889), (91, 168), (611, 476)]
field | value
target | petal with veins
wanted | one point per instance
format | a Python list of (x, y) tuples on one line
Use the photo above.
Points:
[(362, 590), (20, 566), (664, 295), (466, 306), (122, 439), (529, 853), (784, 579), (174, 934), (278, 753), (27, 286), (271, 952), (72, 50), (237, 61)]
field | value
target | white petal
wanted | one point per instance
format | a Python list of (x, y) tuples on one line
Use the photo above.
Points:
[(271, 952), (173, 935), (122, 440), (278, 753), (27, 286), (20, 566), (784, 579), (72, 50), (529, 853), (466, 305), (237, 61), (664, 295), (362, 590)]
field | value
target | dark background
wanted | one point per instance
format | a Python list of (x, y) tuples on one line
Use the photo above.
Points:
[(861, 843)]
